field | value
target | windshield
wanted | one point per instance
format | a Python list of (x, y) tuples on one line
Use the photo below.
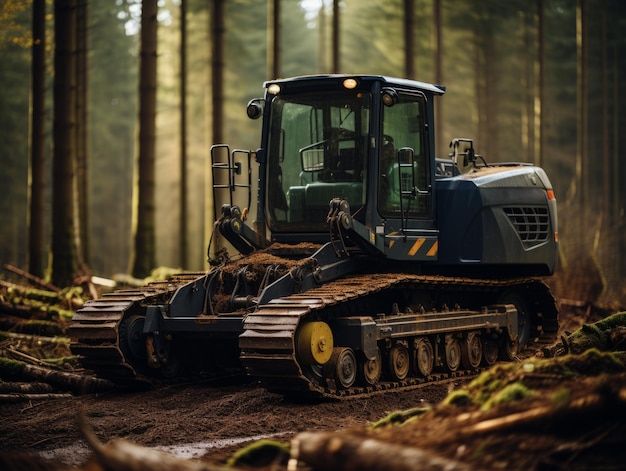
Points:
[(317, 151)]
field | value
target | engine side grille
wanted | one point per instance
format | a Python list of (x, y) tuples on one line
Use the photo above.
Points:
[(532, 223)]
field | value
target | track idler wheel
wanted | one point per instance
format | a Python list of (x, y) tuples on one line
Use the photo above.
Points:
[(315, 343), (132, 340)]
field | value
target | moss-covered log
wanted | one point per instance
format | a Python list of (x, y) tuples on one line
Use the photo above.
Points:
[(31, 326), (605, 335), (76, 383)]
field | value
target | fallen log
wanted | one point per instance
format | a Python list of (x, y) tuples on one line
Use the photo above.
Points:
[(26, 312), (76, 383), (15, 291), (28, 388), (605, 399), (68, 297), (30, 326), (605, 335), (23, 397), (329, 451), (35, 339)]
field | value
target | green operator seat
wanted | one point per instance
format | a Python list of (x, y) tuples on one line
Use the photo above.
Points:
[(310, 202)]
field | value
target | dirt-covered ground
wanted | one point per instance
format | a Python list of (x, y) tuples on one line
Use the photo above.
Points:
[(209, 422), (199, 419), (524, 415)]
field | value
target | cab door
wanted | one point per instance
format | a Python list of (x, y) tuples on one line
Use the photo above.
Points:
[(405, 191)]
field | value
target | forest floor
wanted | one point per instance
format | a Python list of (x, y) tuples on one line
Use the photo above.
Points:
[(567, 412)]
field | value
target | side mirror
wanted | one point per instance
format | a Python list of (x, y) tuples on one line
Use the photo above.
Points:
[(255, 108)]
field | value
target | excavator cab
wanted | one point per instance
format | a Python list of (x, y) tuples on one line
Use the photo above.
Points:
[(351, 159), (362, 140)]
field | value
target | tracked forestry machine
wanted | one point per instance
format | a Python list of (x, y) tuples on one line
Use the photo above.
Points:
[(370, 265)]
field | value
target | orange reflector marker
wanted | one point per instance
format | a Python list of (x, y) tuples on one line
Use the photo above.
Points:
[(550, 194), (556, 236)]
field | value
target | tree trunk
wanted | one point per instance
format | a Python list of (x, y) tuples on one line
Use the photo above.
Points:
[(144, 245), (273, 39), (183, 135), (336, 35), (539, 93), (409, 39), (216, 29), (64, 263), (438, 61), (82, 167), (36, 244), (217, 70)]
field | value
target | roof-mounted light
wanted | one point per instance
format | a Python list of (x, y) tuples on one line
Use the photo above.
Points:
[(273, 89), (390, 96), (350, 83)]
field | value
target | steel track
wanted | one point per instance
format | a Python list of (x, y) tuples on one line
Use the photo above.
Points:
[(268, 349), (267, 344), (95, 328)]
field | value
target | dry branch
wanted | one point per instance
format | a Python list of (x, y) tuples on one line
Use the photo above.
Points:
[(123, 455), (32, 278)]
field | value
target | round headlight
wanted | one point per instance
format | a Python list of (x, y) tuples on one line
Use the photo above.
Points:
[(350, 83), (390, 96), (273, 89)]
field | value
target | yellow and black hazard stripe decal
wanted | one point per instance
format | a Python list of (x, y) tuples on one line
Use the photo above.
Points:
[(422, 248)]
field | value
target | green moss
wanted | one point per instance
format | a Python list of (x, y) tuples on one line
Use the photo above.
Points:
[(612, 321), (260, 453), (400, 417), (11, 368), (596, 335), (513, 392), (561, 397), (591, 362), (460, 398)]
